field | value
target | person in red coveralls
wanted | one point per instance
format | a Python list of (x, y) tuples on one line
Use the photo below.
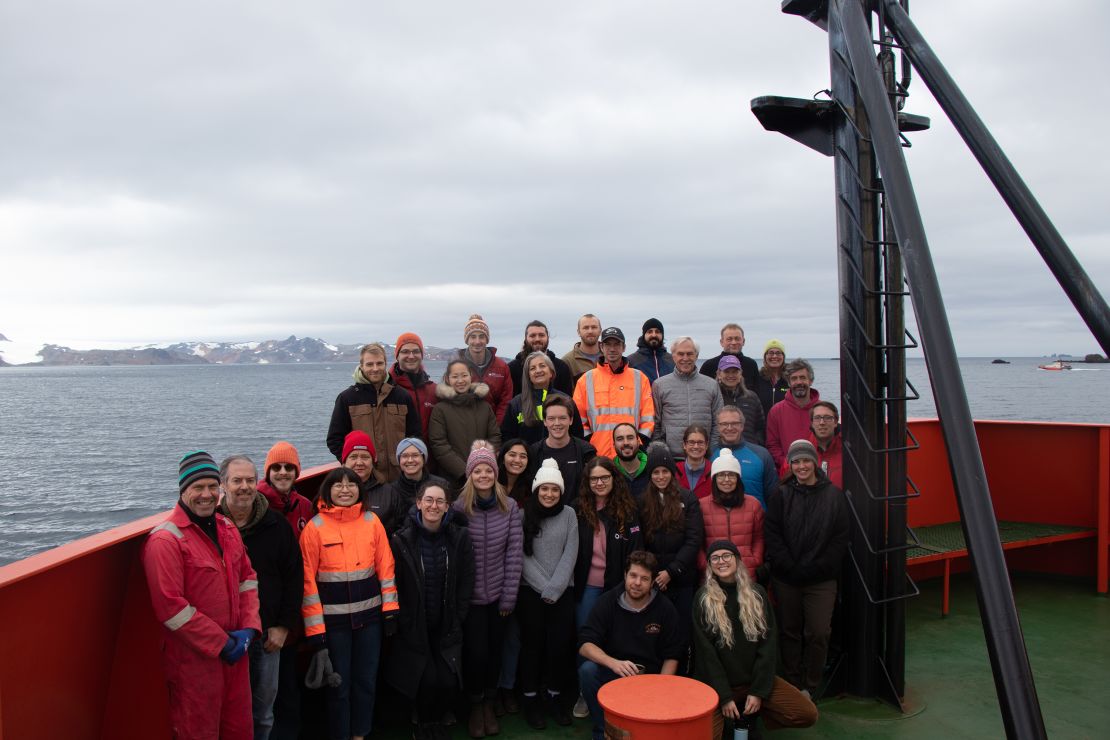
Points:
[(282, 468), (205, 593)]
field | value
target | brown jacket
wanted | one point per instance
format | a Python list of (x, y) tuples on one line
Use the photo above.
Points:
[(457, 420), (388, 416), (578, 362)]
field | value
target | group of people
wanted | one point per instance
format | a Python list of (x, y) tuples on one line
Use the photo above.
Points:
[(517, 535)]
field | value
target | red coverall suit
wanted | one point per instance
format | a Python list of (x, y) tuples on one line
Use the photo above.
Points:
[(200, 597)]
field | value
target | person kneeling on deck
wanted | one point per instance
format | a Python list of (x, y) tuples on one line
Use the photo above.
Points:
[(631, 630), (736, 647), (276, 557), (205, 592)]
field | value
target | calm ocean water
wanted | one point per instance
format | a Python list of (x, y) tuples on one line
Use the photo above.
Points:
[(84, 449)]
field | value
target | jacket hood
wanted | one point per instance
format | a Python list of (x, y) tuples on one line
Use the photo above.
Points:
[(360, 379), (447, 393), (340, 513)]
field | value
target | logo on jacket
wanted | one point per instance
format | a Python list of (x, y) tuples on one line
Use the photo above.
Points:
[(652, 628)]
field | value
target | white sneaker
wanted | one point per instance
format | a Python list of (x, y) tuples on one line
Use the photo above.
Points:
[(581, 711)]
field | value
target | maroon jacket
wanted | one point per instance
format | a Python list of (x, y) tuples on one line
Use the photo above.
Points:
[(704, 488), (424, 395), (497, 377), (741, 525), (297, 510)]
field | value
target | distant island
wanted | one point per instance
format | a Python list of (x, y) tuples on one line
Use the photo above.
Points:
[(291, 350)]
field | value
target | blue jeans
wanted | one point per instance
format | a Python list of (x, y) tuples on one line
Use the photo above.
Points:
[(354, 656), (591, 677), (264, 686)]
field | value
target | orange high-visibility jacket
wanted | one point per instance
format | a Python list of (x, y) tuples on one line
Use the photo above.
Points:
[(348, 570), (606, 398)]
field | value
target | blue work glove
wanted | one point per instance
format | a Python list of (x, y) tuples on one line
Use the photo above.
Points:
[(237, 644)]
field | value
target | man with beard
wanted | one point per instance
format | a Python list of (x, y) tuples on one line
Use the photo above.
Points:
[(408, 373), (485, 366), (205, 593), (824, 434), (276, 558), (536, 339), (630, 459), (375, 406), (631, 630), (732, 343), (684, 397), (382, 499), (585, 353), (758, 467), (651, 357), (789, 418), (283, 466), (613, 393)]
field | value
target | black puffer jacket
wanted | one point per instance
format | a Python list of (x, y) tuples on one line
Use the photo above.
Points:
[(410, 650), (677, 551), (385, 501), (806, 529)]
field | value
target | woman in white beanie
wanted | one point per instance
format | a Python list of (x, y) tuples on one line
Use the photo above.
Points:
[(545, 605), (730, 515)]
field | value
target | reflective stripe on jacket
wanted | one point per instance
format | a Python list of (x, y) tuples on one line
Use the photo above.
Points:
[(606, 398), (199, 594), (348, 570)]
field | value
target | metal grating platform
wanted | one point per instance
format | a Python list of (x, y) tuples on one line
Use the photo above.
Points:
[(949, 537)]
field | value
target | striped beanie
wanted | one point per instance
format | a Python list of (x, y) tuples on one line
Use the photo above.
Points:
[(475, 324), (479, 456), (196, 465)]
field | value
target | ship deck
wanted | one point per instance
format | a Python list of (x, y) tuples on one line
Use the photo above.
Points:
[(950, 691)]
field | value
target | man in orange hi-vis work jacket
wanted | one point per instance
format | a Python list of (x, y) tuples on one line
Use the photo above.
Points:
[(349, 599), (205, 593), (614, 393)]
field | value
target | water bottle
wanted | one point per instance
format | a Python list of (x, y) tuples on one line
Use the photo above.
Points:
[(740, 728)]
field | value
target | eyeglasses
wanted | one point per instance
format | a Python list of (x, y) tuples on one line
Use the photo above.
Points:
[(437, 502), (409, 353), (721, 557), (599, 479), (775, 352), (823, 417), (694, 443), (283, 468), (411, 456), (729, 423)]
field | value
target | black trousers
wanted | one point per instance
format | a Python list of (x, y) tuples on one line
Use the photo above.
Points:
[(546, 641), (438, 686), (483, 633)]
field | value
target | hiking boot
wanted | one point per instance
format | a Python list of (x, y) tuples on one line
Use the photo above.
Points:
[(533, 713), (581, 711), (507, 697), (476, 725), (557, 707), (492, 726)]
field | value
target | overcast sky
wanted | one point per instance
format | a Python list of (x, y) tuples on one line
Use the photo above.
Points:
[(249, 170)]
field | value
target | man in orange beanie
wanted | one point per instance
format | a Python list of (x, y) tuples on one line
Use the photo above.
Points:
[(408, 373), (280, 473)]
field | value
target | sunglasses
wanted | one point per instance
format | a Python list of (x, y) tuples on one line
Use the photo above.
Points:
[(283, 468)]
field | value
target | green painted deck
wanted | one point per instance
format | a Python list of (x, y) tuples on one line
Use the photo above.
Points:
[(949, 685)]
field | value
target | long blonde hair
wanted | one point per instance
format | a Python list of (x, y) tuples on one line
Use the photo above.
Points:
[(712, 605), (469, 493)]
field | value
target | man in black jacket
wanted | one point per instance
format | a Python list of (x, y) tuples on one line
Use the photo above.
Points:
[(631, 630), (276, 557), (570, 453), (536, 339), (806, 533), (732, 343)]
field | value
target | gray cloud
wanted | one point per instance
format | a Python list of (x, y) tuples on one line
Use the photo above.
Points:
[(199, 170)]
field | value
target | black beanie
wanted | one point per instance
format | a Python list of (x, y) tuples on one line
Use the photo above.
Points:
[(659, 456), (722, 545), (652, 324)]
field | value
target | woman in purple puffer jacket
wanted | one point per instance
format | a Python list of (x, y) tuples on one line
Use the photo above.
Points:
[(496, 531)]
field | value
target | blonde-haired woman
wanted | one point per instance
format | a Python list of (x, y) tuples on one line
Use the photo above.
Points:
[(735, 647), (495, 525)]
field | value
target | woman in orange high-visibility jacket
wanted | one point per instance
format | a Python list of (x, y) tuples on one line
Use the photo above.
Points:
[(348, 587)]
